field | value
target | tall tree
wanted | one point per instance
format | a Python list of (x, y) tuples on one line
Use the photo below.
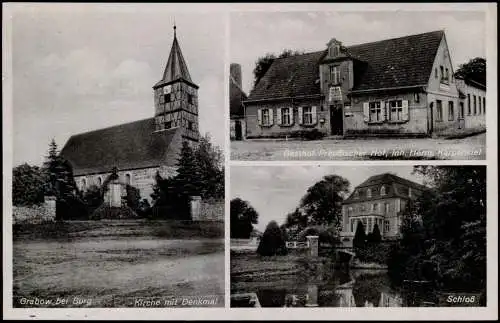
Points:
[(59, 175), (211, 166), (27, 185), (263, 63), (322, 202), (242, 218), (359, 240), (475, 70)]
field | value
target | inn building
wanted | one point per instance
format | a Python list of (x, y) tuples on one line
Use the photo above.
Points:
[(399, 86)]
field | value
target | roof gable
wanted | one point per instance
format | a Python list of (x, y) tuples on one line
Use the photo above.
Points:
[(398, 62), (126, 146)]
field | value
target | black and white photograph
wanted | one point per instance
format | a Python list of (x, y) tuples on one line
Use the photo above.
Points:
[(374, 85), (118, 161), (364, 236)]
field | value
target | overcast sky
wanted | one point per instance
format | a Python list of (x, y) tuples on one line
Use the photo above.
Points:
[(80, 70), (253, 34), (274, 191)]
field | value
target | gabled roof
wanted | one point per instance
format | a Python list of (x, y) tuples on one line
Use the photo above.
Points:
[(176, 68), (398, 62), (126, 146), (236, 96), (386, 179)]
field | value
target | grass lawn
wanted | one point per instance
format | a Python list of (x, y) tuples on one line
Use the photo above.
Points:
[(112, 264)]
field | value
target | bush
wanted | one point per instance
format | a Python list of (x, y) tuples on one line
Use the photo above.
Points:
[(272, 241), (108, 212)]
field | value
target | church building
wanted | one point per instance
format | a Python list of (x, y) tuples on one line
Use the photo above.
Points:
[(139, 149)]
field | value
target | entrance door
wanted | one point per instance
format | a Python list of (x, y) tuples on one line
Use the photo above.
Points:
[(336, 119), (237, 130)]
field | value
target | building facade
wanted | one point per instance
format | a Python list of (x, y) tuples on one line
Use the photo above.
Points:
[(236, 98), (401, 86), (380, 200), (141, 149)]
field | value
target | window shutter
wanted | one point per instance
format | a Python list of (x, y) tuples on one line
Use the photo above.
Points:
[(366, 111), (382, 110), (271, 117), (292, 115), (300, 115), (278, 116), (314, 115), (405, 110), (259, 116)]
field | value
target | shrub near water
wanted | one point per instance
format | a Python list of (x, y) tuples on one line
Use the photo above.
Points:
[(272, 241)]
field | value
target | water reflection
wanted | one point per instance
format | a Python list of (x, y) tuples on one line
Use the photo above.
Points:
[(343, 289)]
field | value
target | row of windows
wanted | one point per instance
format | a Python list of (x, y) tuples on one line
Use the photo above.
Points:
[(374, 208), (392, 111), (369, 191), (369, 224), (98, 181), (478, 102), (307, 116)]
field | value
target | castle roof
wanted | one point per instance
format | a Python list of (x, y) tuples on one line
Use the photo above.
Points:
[(392, 63), (176, 68), (127, 146), (388, 180)]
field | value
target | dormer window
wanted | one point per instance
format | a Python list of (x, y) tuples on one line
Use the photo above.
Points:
[(334, 50), (356, 194), (369, 193), (382, 191)]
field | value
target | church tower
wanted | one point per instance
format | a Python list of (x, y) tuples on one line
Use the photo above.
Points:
[(176, 96)]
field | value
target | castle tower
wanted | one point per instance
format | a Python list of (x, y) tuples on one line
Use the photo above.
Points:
[(176, 96)]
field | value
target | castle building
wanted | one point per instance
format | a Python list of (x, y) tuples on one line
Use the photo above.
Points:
[(399, 86), (380, 200), (140, 149)]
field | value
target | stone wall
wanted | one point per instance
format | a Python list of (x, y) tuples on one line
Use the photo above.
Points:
[(36, 213), (207, 210)]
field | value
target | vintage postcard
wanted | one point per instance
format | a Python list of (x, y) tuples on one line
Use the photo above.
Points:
[(317, 86)]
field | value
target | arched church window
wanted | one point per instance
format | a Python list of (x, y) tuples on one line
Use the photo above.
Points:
[(84, 184), (99, 180), (127, 179)]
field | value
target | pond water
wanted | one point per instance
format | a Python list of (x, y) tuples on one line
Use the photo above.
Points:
[(348, 288)]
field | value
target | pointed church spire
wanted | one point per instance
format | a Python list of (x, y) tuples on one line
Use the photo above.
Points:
[(176, 67)]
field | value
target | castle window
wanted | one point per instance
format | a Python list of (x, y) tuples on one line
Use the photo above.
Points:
[(368, 193), (396, 110), (167, 97), (127, 179), (190, 98), (439, 110), (387, 226), (468, 105), (382, 191), (375, 111), (335, 74), (307, 115), (451, 112)]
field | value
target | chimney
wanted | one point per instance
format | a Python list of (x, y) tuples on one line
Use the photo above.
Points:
[(235, 70)]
